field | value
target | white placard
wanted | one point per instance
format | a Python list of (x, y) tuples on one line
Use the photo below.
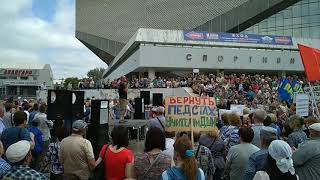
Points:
[(222, 111), (104, 104), (196, 71), (302, 104), (237, 108)]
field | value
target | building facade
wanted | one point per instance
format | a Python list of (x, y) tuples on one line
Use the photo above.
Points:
[(117, 38), (24, 80)]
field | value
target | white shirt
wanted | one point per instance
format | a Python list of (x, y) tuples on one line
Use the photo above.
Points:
[(169, 147)]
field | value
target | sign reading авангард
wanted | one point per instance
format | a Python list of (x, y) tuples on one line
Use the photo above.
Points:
[(182, 111)]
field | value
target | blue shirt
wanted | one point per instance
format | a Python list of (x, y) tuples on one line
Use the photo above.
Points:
[(4, 167), (14, 134), (176, 174), (37, 138), (157, 123), (31, 117), (255, 164)]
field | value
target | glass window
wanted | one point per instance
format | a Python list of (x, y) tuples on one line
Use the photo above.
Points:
[(287, 22), (313, 8), (315, 32), (305, 20), (315, 19), (297, 32), (305, 10), (296, 20), (305, 32), (287, 32), (296, 11), (287, 13), (279, 32)]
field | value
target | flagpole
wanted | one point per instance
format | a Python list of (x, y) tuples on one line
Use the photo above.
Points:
[(313, 101)]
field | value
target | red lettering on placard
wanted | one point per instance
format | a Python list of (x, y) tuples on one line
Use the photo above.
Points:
[(179, 100), (172, 100), (198, 100), (211, 103), (191, 100), (185, 100)]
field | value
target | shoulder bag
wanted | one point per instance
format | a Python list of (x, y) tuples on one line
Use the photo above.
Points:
[(99, 172)]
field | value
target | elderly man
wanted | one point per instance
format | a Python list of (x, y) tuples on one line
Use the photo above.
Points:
[(258, 117), (159, 120), (307, 158), (76, 153), (19, 154), (257, 159)]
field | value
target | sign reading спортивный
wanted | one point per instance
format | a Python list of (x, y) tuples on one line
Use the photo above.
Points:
[(183, 112), (237, 38)]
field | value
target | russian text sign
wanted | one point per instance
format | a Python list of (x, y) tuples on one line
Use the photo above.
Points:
[(182, 112)]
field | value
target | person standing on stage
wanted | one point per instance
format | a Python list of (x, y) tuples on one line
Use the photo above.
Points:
[(123, 94)]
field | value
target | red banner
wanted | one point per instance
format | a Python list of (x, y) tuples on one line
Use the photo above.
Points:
[(311, 62)]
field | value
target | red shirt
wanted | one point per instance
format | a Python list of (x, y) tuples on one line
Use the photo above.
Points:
[(115, 163)]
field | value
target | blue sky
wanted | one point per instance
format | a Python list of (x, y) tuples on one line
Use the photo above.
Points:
[(42, 32)]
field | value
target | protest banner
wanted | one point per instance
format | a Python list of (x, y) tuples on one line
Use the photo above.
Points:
[(302, 104), (190, 114), (237, 108)]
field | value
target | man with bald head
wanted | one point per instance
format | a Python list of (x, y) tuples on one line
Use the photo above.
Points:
[(307, 157)]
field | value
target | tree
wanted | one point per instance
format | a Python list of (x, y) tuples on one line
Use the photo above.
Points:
[(96, 74), (74, 81)]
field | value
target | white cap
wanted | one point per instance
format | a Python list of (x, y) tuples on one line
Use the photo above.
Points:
[(161, 109), (315, 127), (18, 151)]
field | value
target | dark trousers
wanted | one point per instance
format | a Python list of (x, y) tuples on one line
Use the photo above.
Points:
[(55, 176), (218, 174)]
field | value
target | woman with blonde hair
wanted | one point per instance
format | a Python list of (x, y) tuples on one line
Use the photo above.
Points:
[(233, 132), (186, 164), (217, 147)]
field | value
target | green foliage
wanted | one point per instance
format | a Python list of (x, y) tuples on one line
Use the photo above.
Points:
[(73, 80), (96, 74)]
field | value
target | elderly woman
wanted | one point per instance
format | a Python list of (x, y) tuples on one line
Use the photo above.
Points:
[(232, 136), (217, 147), (279, 163), (225, 127), (151, 163), (297, 135)]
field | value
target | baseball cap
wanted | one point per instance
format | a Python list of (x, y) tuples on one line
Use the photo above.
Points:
[(78, 125), (315, 127), (18, 151)]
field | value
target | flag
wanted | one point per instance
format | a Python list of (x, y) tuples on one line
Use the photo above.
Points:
[(311, 62), (285, 91), (296, 86)]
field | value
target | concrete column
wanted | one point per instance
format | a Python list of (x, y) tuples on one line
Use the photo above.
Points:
[(18, 90), (151, 74)]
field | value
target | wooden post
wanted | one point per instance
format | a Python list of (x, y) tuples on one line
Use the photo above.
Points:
[(191, 129)]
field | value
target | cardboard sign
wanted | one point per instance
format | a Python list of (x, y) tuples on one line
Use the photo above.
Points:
[(302, 105), (190, 114), (237, 108)]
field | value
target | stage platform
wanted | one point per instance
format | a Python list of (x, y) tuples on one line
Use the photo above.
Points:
[(139, 124)]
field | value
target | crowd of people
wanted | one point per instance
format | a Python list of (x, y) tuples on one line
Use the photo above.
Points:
[(265, 142)]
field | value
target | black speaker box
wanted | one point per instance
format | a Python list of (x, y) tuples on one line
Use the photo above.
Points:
[(98, 136), (98, 112), (77, 107), (138, 105), (157, 99), (146, 97), (59, 104)]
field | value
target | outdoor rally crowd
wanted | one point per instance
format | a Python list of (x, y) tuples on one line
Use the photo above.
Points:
[(269, 142)]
